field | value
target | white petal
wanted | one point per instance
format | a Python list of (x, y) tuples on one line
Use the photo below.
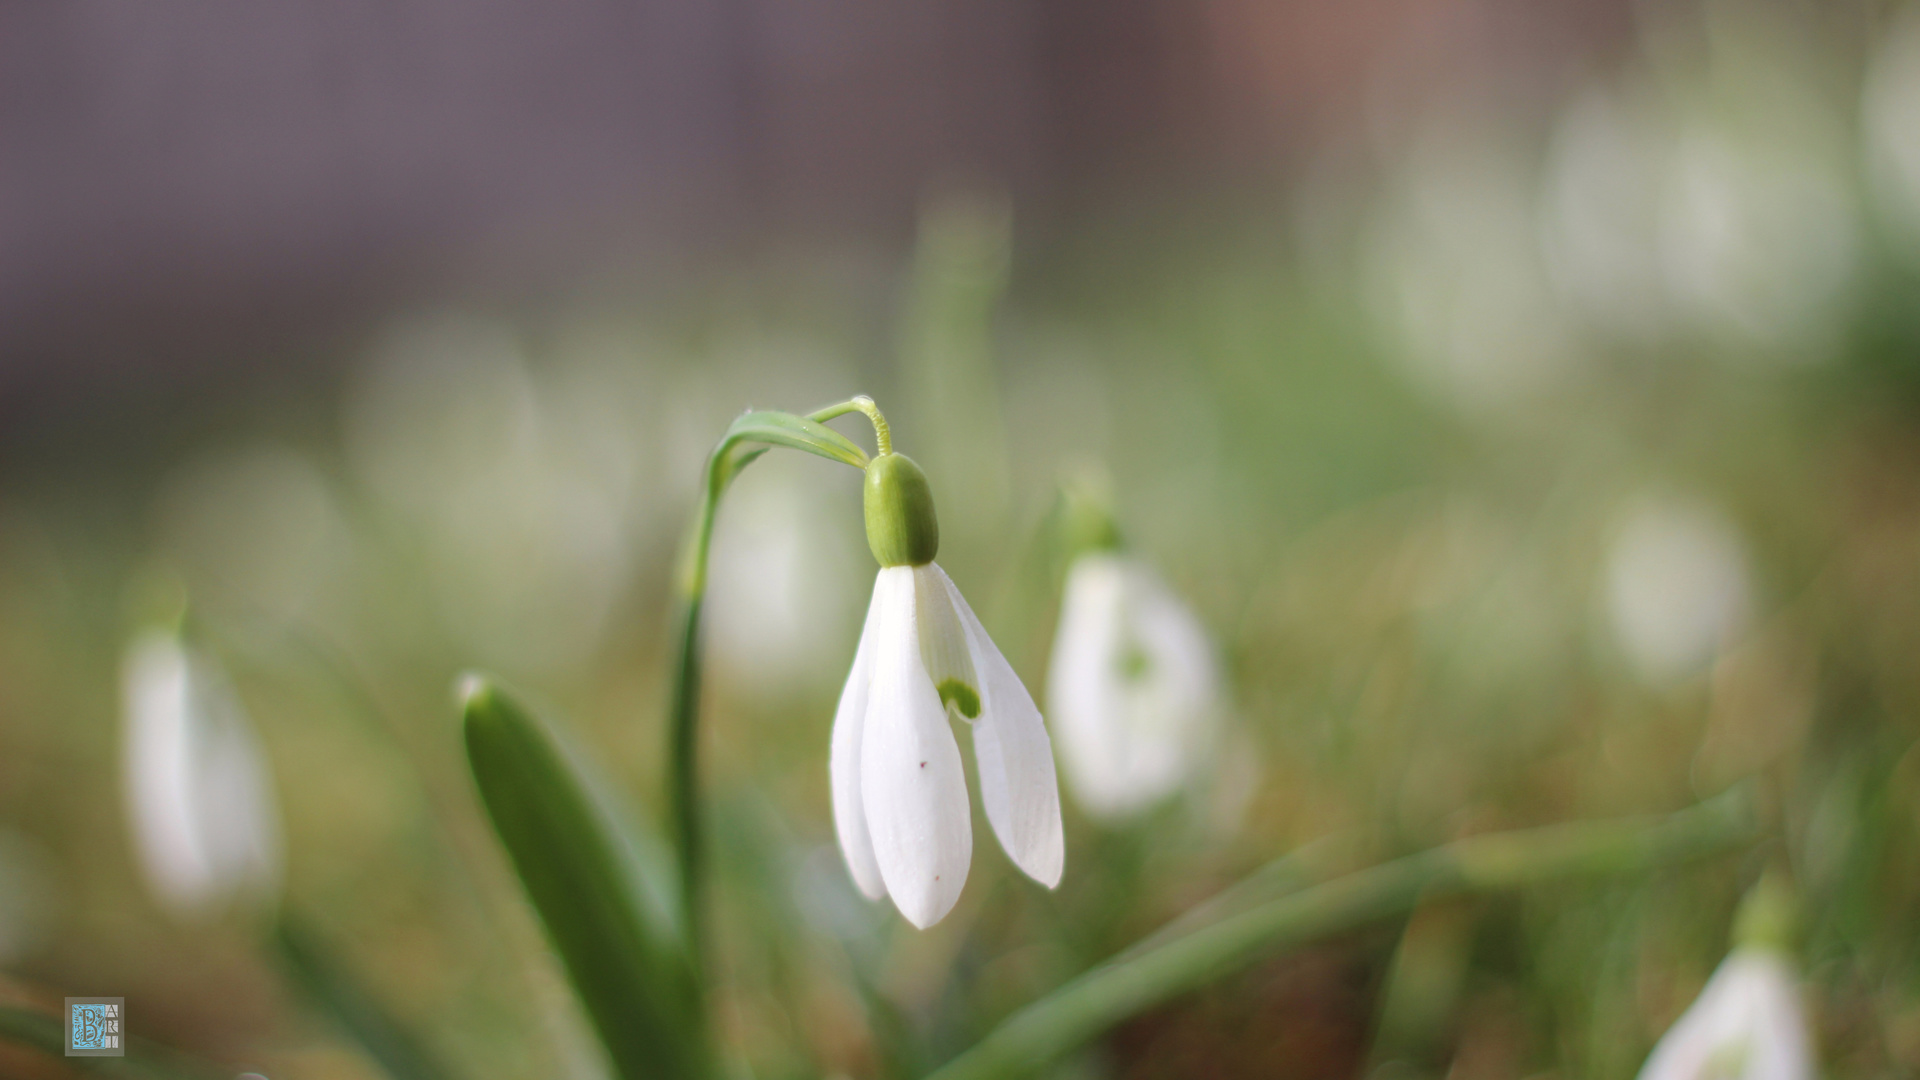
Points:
[(159, 773), (1015, 756), (1747, 1021), (1781, 1048), (204, 815), (911, 779), (1173, 706), (1083, 696), (239, 815), (849, 720), (943, 643)]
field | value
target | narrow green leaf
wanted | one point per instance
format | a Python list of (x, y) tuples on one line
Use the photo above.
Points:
[(795, 432), (738, 460), (1306, 865), (1123, 987), (144, 1060), (338, 994), (618, 940)]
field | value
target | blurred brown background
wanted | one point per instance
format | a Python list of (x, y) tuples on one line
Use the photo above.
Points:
[(204, 187)]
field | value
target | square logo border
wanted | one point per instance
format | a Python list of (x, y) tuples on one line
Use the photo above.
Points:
[(66, 1016)]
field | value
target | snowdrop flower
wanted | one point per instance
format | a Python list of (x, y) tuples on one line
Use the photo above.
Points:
[(1453, 268), (1748, 1023), (204, 821), (1677, 586), (1133, 688), (1891, 123), (899, 793)]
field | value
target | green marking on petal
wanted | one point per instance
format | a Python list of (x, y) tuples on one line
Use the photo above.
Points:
[(1133, 663), (954, 692)]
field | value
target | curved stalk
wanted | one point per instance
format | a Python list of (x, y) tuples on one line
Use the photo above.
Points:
[(750, 436)]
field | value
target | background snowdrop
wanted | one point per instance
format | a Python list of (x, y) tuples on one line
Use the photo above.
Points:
[(1489, 337), (206, 826), (1749, 1022), (1746, 1025), (1133, 688), (521, 488), (1891, 122), (1676, 586)]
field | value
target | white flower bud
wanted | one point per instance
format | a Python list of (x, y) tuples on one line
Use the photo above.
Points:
[(1134, 689), (204, 820)]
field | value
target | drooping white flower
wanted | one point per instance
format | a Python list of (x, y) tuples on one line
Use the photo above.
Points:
[(1453, 269), (1677, 586), (899, 791), (1747, 1024), (205, 823), (1133, 687), (1890, 119)]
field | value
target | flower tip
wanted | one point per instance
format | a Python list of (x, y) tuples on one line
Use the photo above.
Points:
[(471, 690), (1044, 860), (925, 910)]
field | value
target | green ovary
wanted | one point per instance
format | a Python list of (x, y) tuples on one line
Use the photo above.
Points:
[(960, 695)]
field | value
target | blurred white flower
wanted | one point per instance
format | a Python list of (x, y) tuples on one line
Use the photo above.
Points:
[(782, 579), (205, 823), (1600, 214), (1748, 1024), (1759, 228), (1133, 687), (1711, 194), (1891, 123), (1454, 267), (899, 793), (523, 491), (1759, 240), (1677, 586)]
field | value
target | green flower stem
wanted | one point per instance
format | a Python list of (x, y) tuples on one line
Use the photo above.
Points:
[(882, 434), (1118, 989), (750, 436)]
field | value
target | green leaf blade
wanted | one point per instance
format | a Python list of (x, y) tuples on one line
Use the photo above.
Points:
[(622, 953), (794, 432)]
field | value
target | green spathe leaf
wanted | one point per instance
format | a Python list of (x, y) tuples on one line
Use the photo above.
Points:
[(796, 432), (619, 942)]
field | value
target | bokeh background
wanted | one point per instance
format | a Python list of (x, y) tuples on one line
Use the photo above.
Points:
[(1525, 396)]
